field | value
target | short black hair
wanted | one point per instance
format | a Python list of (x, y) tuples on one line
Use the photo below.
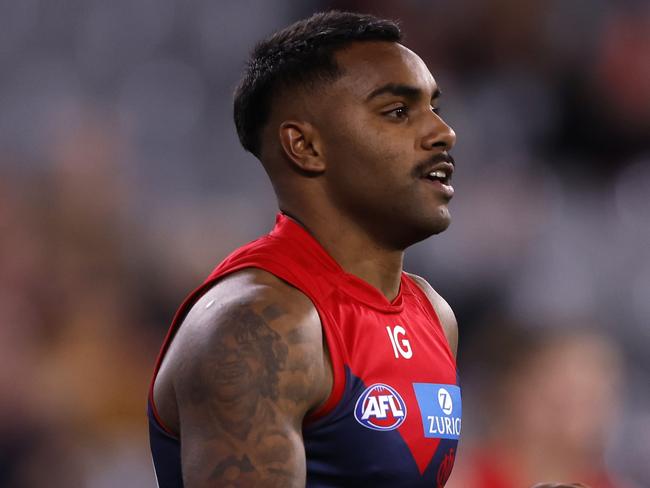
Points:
[(299, 55)]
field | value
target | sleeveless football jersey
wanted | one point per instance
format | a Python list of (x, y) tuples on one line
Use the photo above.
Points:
[(393, 417)]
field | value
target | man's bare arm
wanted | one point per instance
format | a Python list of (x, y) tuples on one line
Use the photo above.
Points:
[(443, 310), (249, 366)]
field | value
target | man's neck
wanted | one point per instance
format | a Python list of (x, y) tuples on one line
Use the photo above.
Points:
[(356, 252)]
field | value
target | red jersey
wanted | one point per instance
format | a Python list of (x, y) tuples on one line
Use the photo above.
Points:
[(393, 417)]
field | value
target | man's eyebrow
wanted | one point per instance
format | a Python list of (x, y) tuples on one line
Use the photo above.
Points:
[(400, 90)]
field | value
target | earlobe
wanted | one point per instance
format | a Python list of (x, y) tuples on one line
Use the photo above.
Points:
[(299, 142)]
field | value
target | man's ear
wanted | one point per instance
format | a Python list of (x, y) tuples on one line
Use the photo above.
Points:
[(301, 144)]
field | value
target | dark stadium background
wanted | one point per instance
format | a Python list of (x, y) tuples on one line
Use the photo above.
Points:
[(122, 183)]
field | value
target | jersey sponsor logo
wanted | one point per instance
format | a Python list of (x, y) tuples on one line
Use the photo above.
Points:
[(445, 402), (401, 347), (441, 409), (447, 464), (380, 407)]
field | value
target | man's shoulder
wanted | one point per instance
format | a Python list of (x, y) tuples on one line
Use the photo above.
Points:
[(250, 331), (424, 285), (247, 366), (442, 308), (251, 319), (252, 295)]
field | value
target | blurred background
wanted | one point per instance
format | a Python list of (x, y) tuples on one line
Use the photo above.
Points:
[(122, 183)]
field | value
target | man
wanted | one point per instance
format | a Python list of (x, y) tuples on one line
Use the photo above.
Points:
[(309, 356)]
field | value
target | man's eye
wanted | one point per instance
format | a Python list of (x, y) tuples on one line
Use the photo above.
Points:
[(435, 110), (398, 112)]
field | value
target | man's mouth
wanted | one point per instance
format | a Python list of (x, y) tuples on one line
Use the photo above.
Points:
[(438, 171), (437, 168), (443, 175)]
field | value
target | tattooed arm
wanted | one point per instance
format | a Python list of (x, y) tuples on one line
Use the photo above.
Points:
[(246, 366)]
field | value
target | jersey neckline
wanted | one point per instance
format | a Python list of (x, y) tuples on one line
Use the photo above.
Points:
[(361, 290)]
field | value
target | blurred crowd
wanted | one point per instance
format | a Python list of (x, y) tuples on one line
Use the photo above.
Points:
[(122, 183)]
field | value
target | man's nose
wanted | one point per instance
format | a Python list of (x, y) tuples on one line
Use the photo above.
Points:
[(439, 134)]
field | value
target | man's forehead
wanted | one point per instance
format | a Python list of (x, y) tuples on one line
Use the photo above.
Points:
[(367, 66)]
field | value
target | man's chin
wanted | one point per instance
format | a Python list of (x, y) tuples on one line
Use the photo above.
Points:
[(428, 228), (440, 226), (440, 221)]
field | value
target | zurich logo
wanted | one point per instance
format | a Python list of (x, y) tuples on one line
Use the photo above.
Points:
[(441, 408), (380, 407), (445, 402)]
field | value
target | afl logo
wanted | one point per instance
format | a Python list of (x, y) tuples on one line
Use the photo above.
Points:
[(380, 408)]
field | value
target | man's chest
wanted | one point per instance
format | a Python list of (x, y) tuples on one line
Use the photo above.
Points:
[(401, 406)]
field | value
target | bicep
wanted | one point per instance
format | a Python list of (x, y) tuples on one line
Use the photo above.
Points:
[(242, 396), (269, 455)]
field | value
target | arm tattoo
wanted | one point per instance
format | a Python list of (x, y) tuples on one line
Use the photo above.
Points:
[(231, 468), (244, 368), (238, 384)]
